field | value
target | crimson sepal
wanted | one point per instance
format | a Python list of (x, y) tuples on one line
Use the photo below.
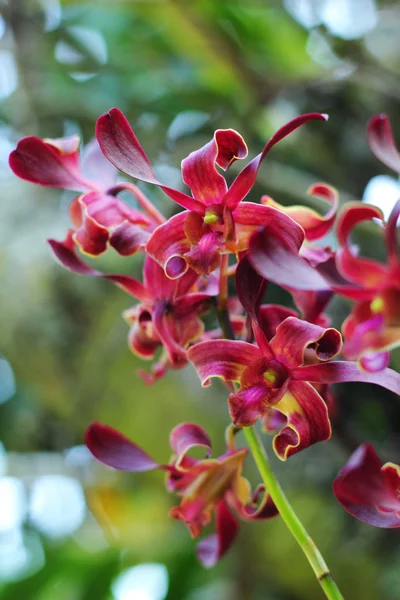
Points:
[(53, 163), (210, 549), (115, 450), (381, 142), (369, 491)]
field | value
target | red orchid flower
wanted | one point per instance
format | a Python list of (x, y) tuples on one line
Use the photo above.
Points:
[(369, 491), (215, 220), (167, 315), (206, 486), (274, 373), (98, 215), (373, 327)]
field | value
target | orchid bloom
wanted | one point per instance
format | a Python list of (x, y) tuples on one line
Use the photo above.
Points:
[(215, 219), (205, 486), (373, 327), (275, 374), (167, 315), (368, 490), (99, 217)]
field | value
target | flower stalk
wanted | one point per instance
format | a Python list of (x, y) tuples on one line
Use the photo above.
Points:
[(290, 518)]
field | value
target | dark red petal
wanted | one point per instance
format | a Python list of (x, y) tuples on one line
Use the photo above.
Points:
[(249, 405), (186, 436), (247, 177), (127, 238), (204, 257), (212, 548), (49, 164), (307, 420), (341, 371), (121, 146), (391, 234), (115, 450), (381, 142), (250, 288), (199, 168), (65, 253), (294, 335), (261, 506), (363, 490), (168, 245)]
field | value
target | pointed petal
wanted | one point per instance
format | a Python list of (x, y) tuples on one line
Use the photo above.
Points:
[(362, 271), (121, 146), (210, 549), (247, 177), (294, 336), (225, 359), (315, 226), (53, 163), (115, 450), (341, 371), (250, 288), (365, 490), (307, 420), (381, 142), (168, 245), (65, 253), (186, 436), (199, 168)]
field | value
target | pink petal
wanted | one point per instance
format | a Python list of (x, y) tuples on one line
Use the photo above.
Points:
[(247, 177), (249, 405), (168, 245), (96, 167), (293, 336), (53, 163), (341, 371), (225, 359), (115, 450), (307, 420), (363, 490), (186, 436), (391, 234), (120, 145), (257, 509), (127, 238), (362, 271), (204, 257), (65, 253), (210, 549), (199, 168), (381, 142), (250, 288)]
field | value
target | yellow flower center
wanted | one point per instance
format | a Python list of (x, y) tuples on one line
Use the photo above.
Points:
[(210, 218), (377, 305), (270, 375)]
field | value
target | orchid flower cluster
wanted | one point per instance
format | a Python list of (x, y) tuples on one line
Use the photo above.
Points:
[(278, 364)]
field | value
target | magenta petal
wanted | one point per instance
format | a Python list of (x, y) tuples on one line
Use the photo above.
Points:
[(250, 288), (247, 177), (210, 549), (127, 238), (294, 335), (186, 436), (375, 361), (381, 142), (249, 405), (341, 371), (121, 146), (115, 450), (161, 286), (96, 167), (65, 253), (53, 163), (199, 171), (364, 490), (226, 359), (168, 245), (391, 234)]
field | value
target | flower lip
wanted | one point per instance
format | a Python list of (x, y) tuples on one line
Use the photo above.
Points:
[(275, 374)]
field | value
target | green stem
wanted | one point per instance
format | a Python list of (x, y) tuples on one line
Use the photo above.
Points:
[(290, 518)]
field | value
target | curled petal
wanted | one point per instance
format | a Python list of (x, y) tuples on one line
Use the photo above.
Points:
[(162, 287), (127, 238), (186, 436), (362, 271), (53, 163), (65, 253), (307, 420), (121, 146), (168, 245), (260, 506), (115, 450), (198, 169), (225, 359), (341, 372), (381, 142), (247, 177), (272, 315), (210, 549), (368, 491), (315, 226), (294, 335)]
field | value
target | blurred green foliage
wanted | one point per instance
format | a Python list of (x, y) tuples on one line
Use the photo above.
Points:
[(179, 70)]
